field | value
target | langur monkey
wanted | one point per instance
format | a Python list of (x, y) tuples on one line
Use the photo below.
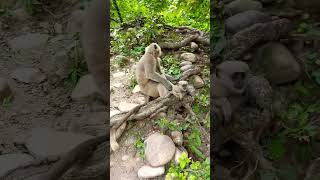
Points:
[(152, 80)]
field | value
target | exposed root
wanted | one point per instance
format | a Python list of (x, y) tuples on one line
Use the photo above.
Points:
[(175, 46), (190, 72)]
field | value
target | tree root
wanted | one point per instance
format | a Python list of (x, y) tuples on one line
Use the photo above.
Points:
[(193, 38), (246, 39), (190, 72)]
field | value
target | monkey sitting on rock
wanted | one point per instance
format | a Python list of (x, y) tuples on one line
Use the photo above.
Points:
[(152, 80)]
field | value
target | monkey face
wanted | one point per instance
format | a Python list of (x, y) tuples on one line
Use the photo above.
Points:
[(239, 79), (233, 75), (154, 49)]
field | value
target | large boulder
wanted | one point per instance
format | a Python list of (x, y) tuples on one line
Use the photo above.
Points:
[(245, 19), (278, 63), (239, 6), (159, 150)]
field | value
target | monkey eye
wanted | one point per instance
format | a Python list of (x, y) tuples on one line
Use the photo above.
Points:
[(155, 46)]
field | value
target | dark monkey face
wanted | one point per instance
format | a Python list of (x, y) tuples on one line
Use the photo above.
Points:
[(239, 79)]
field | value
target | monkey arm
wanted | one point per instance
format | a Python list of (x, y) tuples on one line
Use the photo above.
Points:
[(153, 75)]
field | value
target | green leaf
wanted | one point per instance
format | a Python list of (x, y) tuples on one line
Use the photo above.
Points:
[(276, 148)]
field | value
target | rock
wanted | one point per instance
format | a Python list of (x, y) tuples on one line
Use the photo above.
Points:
[(44, 142), (126, 107), (5, 90), (28, 75), (239, 6), (118, 85), (75, 22), (114, 112), (159, 149), (20, 14), (245, 19), (136, 89), (86, 89), (184, 63), (278, 63), (60, 64), (28, 41), (186, 67), (150, 172), (177, 137), (119, 74), (197, 81), (194, 46), (58, 28), (188, 57), (12, 161)]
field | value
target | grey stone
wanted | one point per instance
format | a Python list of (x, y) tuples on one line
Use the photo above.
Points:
[(245, 19), (44, 142), (186, 67), (184, 63), (194, 46), (197, 81), (28, 41), (188, 57), (278, 63), (239, 6), (159, 149), (150, 172), (177, 137), (28, 75), (86, 90)]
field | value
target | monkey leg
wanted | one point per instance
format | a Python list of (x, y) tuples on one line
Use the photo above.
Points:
[(150, 89), (226, 109), (163, 91)]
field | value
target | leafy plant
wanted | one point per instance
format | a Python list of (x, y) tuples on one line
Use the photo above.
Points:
[(139, 144), (276, 147), (7, 101), (78, 66), (194, 141), (133, 82), (171, 66), (189, 169), (165, 124)]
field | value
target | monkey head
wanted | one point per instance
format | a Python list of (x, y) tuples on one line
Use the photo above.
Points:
[(233, 75), (153, 49)]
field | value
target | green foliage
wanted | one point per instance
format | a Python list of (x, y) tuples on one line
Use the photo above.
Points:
[(202, 100), (171, 66), (304, 27), (216, 29), (140, 147), (133, 82), (165, 124), (296, 121), (189, 169), (173, 12), (144, 21), (7, 101), (276, 147), (78, 66), (194, 141)]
